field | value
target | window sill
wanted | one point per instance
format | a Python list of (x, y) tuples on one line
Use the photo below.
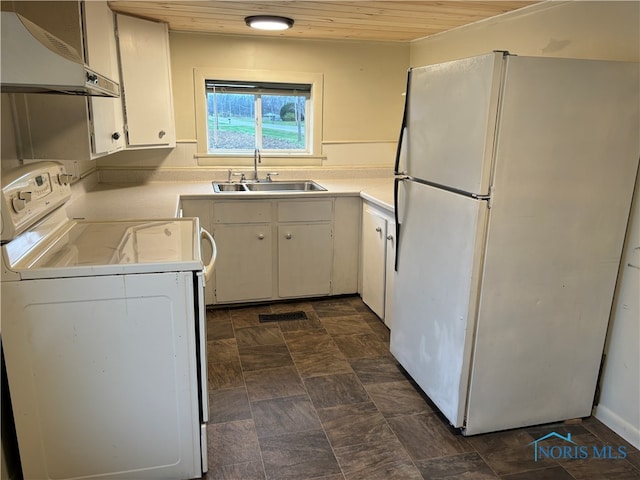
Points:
[(268, 160)]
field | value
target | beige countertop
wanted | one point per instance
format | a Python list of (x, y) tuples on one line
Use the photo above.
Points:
[(161, 199)]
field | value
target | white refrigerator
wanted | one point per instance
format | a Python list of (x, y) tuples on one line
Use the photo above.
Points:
[(514, 181)]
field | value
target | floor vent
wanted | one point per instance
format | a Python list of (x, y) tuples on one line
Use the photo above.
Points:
[(281, 317)]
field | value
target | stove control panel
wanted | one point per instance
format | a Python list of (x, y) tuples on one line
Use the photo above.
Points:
[(29, 193)]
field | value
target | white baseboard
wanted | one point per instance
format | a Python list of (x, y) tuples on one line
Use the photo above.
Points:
[(631, 433)]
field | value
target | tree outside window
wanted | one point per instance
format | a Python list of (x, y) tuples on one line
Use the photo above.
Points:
[(268, 116)]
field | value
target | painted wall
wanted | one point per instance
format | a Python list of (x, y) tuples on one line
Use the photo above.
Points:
[(620, 398), (8, 152), (580, 29), (606, 30), (363, 84), (362, 81)]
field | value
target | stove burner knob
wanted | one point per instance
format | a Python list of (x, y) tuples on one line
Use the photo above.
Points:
[(19, 203), (64, 178)]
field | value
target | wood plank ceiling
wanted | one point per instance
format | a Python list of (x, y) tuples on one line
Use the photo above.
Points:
[(391, 20)]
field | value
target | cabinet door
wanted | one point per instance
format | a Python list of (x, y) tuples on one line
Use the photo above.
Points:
[(146, 82), (347, 230), (65, 127), (304, 259), (374, 244), (389, 271), (244, 266), (107, 121)]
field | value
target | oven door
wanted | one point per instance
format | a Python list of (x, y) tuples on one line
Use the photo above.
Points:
[(103, 375)]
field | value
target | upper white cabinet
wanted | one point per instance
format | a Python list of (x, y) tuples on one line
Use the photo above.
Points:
[(146, 82), (65, 127), (102, 55)]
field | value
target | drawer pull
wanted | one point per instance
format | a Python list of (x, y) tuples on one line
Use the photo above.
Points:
[(288, 236), (261, 236)]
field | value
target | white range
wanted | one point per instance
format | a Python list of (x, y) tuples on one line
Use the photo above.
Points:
[(104, 337)]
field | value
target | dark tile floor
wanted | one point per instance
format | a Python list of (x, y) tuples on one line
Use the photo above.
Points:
[(323, 398)]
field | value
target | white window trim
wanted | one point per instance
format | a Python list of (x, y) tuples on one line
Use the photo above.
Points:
[(314, 156)]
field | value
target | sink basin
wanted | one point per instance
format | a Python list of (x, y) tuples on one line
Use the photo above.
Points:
[(228, 187), (283, 186), (286, 186)]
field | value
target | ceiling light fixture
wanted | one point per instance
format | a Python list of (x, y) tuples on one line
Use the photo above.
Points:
[(269, 22)]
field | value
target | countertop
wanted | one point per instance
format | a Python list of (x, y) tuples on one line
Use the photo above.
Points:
[(161, 199)]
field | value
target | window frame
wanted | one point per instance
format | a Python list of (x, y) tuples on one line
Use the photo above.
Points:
[(283, 158), (259, 92)]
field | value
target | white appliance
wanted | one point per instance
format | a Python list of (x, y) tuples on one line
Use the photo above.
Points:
[(103, 332), (514, 182), (35, 61)]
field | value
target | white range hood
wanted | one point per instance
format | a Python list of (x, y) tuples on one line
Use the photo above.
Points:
[(34, 61)]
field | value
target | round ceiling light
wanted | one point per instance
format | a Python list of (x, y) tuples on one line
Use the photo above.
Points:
[(269, 22)]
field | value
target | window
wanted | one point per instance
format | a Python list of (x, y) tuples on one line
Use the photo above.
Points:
[(238, 111), (269, 116)]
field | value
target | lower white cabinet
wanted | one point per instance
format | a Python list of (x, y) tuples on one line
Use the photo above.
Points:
[(271, 249), (304, 259), (390, 271), (305, 247), (378, 258), (244, 266)]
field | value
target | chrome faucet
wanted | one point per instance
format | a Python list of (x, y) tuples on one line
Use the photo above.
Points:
[(257, 158)]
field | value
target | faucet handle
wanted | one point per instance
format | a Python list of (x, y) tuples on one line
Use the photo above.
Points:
[(239, 174), (270, 174)]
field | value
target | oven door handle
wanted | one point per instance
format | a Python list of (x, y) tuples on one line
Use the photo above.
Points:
[(208, 268)]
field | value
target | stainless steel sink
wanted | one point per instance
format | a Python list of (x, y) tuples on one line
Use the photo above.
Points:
[(228, 187), (286, 186), (282, 186)]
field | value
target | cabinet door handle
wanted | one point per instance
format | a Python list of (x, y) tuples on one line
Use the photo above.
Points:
[(378, 229), (261, 236), (161, 133), (389, 237), (288, 236)]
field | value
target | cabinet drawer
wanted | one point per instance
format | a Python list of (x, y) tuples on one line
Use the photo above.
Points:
[(242, 212), (305, 210)]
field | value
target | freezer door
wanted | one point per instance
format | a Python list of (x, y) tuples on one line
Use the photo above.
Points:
[(451, 115), (563, 185), (435, 295)]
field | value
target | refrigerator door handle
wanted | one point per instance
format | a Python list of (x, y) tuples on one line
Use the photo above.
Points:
[(404, 125), (396, 185)]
